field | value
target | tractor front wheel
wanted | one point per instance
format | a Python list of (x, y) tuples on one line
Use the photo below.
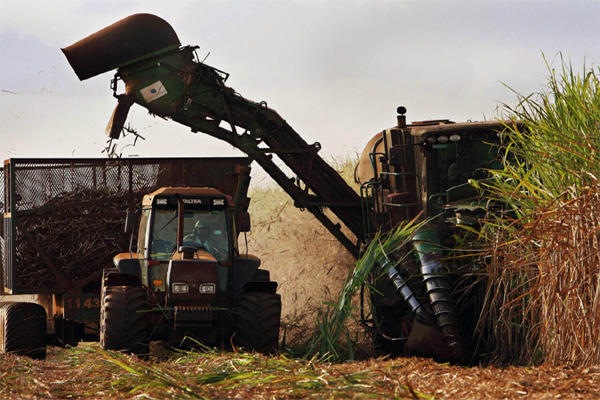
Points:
[(123, 324), (258, 322)]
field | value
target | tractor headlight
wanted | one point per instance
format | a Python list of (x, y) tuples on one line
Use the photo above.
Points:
[(207, 288), (442, 139), (455, 138), (431, 139), (179, 288)]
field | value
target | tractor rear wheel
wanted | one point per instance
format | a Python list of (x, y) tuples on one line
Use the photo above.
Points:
[(23, 329), (123, 324), (258, 322)]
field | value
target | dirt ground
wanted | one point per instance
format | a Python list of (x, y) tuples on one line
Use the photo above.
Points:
[(93, 375)]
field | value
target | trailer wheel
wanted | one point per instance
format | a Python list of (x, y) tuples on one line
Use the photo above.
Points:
[(123, 324), (258, 322), (23, 329)]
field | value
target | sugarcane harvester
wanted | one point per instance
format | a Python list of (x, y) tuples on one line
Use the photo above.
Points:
[(167, 79)]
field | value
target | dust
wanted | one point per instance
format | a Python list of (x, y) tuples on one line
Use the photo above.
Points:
[(306, 260)]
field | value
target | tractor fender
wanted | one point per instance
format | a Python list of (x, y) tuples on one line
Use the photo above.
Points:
[(128, 265), (243, 270), (115, 278)]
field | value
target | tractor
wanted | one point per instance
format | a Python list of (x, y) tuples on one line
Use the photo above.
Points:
[(188, 282)]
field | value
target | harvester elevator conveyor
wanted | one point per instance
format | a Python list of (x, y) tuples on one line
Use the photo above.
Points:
[(170, 82), (316, 185)]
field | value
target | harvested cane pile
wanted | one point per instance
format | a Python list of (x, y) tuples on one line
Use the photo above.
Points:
[(79, 237)]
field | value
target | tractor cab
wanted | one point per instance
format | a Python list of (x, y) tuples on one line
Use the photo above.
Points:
[(187, 278), (188, 225)]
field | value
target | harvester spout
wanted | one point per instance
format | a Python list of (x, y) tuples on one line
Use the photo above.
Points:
[(118, 118), (127, 41)]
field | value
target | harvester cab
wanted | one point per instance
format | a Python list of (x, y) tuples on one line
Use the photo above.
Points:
[(428, 166)]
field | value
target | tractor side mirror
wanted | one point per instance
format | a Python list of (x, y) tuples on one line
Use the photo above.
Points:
[(244, 224), (130, 219)]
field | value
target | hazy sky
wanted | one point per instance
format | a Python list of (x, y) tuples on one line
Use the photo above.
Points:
[(335, 70)]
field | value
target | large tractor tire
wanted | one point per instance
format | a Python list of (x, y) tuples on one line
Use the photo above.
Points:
[(23, 329), (258, 322), (123, 324)]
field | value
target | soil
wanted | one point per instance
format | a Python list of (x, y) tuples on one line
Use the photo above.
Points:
[(94, 375)]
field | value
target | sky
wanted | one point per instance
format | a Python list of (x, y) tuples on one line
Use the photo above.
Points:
[(335, 70)]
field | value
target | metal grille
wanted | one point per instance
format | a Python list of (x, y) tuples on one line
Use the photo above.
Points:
[(37, 185), (68, 214)]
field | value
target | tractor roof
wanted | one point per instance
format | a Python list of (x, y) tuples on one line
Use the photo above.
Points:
[(186, 193)]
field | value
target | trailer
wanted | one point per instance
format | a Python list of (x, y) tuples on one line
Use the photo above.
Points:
[(62, 224)]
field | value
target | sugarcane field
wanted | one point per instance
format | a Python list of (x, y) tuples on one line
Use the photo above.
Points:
[(298, 200)]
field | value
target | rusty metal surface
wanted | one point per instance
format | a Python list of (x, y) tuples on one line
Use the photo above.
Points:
[(127, 40)]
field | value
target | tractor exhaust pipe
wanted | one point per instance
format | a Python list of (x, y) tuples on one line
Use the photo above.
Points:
[(180, 221)]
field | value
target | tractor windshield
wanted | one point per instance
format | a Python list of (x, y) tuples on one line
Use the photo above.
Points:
[(202, 228)]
